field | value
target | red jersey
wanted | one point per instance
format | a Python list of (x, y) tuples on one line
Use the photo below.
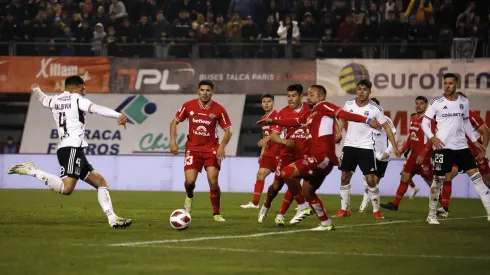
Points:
[(202, 120), (300, 134), (417, 140), (273, 149), (476, 122)]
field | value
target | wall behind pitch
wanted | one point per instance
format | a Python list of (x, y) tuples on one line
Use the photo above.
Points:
[(165, 173)]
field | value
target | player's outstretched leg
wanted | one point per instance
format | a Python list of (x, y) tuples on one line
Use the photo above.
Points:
[(316, 204), (214, 192), (97, 181), (480, 188), (272, 192), (414, 190), (405, 181), (365, 196), (189, 184), (27, 168), (258, 188), (435, 189)]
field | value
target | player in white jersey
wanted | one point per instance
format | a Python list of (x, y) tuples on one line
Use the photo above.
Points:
[(359, 148), (69, 110), (451, 113), (383, 150)]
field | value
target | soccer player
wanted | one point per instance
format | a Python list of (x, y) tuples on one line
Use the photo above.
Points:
[(268, 154), (321, 157), (359, 148), (451, 113), (419, 161), (482, 134), (202, 147), (295, 142), (69, 110), (382, 149)]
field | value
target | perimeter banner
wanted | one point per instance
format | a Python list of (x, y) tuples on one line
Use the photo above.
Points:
[(231, 76)]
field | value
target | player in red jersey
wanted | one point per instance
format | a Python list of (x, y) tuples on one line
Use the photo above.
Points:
[(482, 133), (320, 156), (295, 143), (268, 154), (202, 147), (419, 161)]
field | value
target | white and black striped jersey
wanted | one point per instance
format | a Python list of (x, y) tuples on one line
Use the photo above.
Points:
[(361, 135)]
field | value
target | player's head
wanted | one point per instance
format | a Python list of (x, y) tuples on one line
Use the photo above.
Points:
[(450, 84), (363, 90), (205, 90), (376, 101), (75, 84), (316, 93), (295, 92), (421, 104), (267, 102)]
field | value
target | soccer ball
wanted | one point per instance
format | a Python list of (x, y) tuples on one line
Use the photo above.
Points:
[(180, 219)]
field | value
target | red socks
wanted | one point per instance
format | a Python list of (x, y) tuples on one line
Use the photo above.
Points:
[(447, 189), (400, 192), (215, 196), (258, 188), (412, 185), (271, 194), (286, 202), (317, 206)]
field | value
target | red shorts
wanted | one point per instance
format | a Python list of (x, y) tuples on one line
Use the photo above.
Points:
[(424, 169), (198, 160), (281, 163), (268, 162), (314, 169)]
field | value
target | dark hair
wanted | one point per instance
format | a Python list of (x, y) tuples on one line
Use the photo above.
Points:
[(267, 96), (412, 114), (421, 97), (10, 138), (462, 94), (375, 100), (296, 87), (321, 88), (365, 82), (206, 82), (448, 75), (74, 80)]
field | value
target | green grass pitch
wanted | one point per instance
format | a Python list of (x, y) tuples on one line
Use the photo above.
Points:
[(45, 233)]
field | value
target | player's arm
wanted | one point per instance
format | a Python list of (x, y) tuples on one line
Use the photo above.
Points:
[(381, 118), (89, 107), (338, 131), (430, 113), (225, 124), (485, 134), (179, 117), (406, 145), (44, 99), (389, 150), (467, 126)]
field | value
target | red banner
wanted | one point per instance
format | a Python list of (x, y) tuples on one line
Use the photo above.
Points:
[(18, 73)]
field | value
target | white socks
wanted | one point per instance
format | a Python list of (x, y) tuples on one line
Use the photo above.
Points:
[(303, 206), (365, 194), (105, 202), (482, 190), (374, 195), (435, 189), (50, 180), (345, 196)]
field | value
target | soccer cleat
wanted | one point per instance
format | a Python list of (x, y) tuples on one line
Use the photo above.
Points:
[(442, 213), (263, 214), (343, 213), (414, 192), (279, 220), (432, 219), (21, 169), (249, 205), (324, 228), (389, 206), (119, 222), (378, 215), (364, 204), (218, 218), (301, 215), (188, 204), (488, 218)]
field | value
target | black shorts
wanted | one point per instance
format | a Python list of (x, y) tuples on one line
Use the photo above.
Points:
[(353, 157), (381, 168), (443, 160), (73, 163)]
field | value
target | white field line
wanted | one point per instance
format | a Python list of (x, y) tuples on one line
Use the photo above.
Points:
[(319, 252), (146, 243)]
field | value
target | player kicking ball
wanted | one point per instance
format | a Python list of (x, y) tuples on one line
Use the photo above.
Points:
[(69, 110), (202, 147)]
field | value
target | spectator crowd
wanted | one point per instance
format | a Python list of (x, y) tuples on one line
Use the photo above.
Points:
[(234, 28)]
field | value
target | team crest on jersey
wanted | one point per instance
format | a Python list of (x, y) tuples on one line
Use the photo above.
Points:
[(212, 116), (366, 113), (461, 106)]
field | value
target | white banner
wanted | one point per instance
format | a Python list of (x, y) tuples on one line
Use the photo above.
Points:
[(399, 110), (402, 77), (147, 132)]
